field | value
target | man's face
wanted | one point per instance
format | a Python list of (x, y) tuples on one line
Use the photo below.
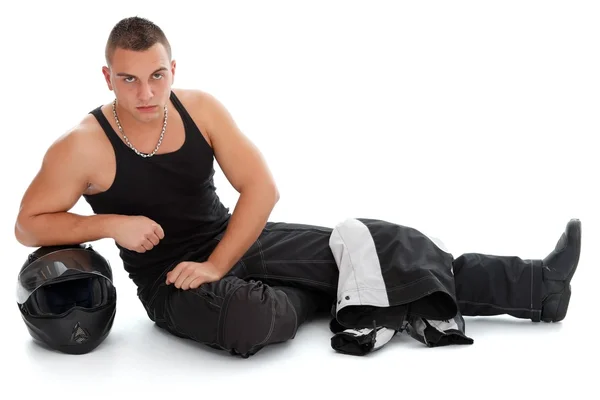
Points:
[(141, 81)]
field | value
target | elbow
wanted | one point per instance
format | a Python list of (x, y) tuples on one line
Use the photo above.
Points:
[(21, 237), (24, 235), (274, 193), (268, 193)]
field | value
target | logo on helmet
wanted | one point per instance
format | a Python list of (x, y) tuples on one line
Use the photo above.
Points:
[(79, 334)]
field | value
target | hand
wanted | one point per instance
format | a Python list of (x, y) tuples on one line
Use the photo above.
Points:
[(137, 233), (189, 275)]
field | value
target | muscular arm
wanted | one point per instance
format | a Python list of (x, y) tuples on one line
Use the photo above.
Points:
[(246, 170), (44, 218)]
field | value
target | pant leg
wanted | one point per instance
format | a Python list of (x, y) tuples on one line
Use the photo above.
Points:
[(234, 315), (284, 278), (493, 285), (290, 271)]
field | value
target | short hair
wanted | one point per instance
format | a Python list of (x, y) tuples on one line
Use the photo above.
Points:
[(135, 33)]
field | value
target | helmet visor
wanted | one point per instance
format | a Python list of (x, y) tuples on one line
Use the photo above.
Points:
[(59, 266)]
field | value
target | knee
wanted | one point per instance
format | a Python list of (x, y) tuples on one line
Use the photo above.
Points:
[(254, 316)]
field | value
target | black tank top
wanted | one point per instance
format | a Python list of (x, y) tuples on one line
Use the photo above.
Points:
[(174, 189)]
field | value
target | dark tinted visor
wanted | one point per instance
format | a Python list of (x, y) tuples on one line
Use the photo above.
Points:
[(58, 266)]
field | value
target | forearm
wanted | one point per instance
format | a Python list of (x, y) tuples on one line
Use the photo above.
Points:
[(248, 219), (63, 228)]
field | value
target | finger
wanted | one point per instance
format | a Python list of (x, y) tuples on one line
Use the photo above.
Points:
[(189, 272), (153, 238), (174, 273), (185, 285), (181, 278), (194, 284), (158, 230), (147, 244)]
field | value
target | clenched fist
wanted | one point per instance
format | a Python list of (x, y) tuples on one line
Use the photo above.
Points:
[(137, 233)]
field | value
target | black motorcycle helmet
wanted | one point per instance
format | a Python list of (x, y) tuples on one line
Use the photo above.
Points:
[(67, 298)]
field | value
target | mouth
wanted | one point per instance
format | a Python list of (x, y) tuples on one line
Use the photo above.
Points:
[(146, 108)]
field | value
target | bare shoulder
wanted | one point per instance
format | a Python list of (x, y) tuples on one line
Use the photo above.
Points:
[(79, 144), (82, 156), (196, 98), (69, 163)]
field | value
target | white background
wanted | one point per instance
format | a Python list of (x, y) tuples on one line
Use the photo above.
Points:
[(473, 121)]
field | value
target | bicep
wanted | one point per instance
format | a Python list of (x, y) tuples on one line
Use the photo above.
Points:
[(58, 184)]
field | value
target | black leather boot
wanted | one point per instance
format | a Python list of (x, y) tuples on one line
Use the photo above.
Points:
[(535, 289), (558, 269)]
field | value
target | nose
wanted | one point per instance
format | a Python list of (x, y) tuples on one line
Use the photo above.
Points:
[(145, 93)]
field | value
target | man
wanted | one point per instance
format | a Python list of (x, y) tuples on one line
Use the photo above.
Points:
[(236, 281)]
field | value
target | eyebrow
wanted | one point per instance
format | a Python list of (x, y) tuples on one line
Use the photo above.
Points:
[(133, 76)]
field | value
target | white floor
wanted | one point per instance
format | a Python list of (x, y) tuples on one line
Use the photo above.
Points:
[(509, 358), (472, 121)]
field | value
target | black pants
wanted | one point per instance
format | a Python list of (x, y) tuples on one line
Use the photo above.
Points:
[(289, 274)]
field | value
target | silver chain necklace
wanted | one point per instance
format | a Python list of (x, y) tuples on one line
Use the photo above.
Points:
[(139, 153)]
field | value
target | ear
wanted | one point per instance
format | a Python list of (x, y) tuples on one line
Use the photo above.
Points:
[(173, 67), (106, 73)]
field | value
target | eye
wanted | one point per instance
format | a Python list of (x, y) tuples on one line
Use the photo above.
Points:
[(129, 79), (158, 76)]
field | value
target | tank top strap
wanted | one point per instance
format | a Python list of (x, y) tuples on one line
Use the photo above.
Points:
[(187, 118), (194, 138)]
